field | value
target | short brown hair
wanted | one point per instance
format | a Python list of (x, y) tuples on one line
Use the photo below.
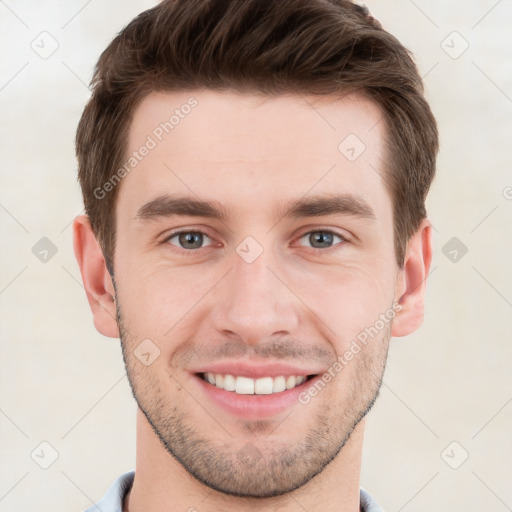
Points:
[(266, 46)]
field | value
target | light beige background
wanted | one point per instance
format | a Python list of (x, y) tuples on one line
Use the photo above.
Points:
[(63, 383)]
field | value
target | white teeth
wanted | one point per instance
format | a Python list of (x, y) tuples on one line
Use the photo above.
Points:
[(279, 384), (263, 386), (229, 383), (244, 386), (248, 386), (290, 382)]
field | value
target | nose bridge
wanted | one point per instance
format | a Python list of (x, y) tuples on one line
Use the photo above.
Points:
[(252, 280), (253, 303)]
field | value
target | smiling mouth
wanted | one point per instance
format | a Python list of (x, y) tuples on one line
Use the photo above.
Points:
[(247, 386)]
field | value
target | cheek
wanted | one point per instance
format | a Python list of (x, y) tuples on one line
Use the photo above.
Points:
[(162, 302), (157, 298), (347, 299)]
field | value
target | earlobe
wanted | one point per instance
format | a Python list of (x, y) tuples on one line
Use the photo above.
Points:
[(95, 276), (411, 285)]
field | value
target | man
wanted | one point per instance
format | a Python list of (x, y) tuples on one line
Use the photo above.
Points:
[(254, 175)]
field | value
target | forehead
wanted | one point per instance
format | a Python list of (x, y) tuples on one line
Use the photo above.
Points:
[(250, 152)]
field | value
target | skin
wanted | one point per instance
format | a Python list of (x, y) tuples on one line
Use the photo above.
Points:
[(298, 301)]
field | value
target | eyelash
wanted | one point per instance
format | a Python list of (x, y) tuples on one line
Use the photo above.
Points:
[(344, 240)]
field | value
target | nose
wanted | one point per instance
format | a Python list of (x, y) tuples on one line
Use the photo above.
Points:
[(252, 303)]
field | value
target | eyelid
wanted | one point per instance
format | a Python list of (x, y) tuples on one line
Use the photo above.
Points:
[(344, 239), (172, 234), (311, 229)]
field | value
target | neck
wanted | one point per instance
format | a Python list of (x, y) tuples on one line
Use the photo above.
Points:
[(162, 484)]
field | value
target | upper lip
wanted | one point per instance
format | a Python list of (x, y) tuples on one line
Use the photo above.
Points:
[(254, 370)]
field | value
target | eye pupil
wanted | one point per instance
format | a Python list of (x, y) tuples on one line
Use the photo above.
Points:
[(191, 240), (322, 238)]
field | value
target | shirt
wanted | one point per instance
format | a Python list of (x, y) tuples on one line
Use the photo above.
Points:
[(113, 500)]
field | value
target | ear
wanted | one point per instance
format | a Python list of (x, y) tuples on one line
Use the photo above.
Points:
[(411, 282), (95, 276)]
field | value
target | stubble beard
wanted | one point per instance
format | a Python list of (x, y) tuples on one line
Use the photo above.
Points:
[(252, 466)]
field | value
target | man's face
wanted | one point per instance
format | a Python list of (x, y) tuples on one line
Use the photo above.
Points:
[(260, 292)]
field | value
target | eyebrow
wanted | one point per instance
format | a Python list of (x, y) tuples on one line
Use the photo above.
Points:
[(316, 206), (167, 206), (335, 204)]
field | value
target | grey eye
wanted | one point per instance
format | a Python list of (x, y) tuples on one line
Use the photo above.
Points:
[(322, 239), (189, 239)]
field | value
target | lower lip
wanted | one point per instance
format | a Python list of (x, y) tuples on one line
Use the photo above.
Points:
[(253, 407)]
